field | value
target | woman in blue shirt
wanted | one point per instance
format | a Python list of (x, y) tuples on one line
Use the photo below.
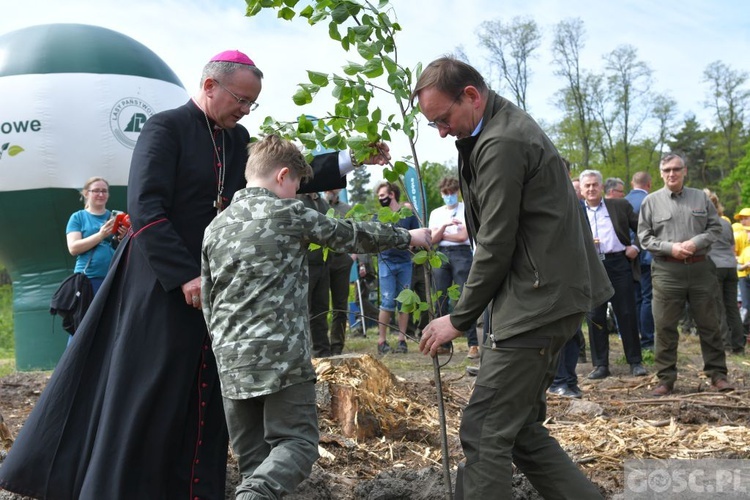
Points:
[(89, 233)]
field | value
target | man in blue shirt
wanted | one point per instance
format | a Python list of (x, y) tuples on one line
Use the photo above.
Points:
[(394, 273)]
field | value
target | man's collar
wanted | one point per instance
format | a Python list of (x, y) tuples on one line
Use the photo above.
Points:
[(586, 204)]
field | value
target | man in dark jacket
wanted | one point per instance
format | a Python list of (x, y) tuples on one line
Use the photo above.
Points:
[(611, 221), (536, 269)]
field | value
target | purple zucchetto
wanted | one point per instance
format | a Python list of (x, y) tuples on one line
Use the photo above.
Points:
[(234, 56)]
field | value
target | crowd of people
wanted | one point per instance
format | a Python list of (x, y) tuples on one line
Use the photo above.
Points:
[(204, 328), (667, 254)]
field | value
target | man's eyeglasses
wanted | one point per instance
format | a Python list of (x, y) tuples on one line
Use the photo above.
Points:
[(670, 170), (244, 103), (98, 191), (441, 122)]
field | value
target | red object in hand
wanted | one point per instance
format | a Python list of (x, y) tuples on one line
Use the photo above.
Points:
[(121, 220)]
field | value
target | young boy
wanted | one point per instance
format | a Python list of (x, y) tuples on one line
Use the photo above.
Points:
[(254, 293)]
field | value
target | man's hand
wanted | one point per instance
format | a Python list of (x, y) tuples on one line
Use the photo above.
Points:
[(683, 250), (192, 292), (382, 157), (631, 252), (421, 237), (437, 333)]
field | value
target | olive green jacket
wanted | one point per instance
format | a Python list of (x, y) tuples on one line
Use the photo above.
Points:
[(535, 260)]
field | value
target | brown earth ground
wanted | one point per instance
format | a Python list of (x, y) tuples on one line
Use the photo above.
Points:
[(616, 420)]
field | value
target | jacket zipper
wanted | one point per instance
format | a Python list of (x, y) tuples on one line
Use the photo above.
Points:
[(531, 262)]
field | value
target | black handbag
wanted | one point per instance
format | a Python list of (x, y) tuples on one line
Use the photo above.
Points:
[(72, 299)]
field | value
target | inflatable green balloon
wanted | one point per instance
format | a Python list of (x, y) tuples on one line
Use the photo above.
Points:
[(74, 100)]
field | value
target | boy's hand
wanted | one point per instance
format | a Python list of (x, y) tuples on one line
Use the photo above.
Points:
[(421, 238)]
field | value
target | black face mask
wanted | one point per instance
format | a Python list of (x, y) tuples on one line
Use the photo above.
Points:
[(384, 202)]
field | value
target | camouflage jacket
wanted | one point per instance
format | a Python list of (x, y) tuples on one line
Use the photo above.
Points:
[(254, 287)]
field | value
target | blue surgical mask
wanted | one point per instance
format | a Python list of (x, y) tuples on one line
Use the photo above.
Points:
[(450, 199)]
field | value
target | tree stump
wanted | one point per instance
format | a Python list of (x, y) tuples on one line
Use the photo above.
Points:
[(360, 391)]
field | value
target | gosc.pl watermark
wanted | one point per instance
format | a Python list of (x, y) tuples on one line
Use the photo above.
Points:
[(687, 479)]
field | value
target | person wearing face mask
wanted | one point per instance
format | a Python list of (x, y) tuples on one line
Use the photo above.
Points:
[(394, 273), (451, 237)]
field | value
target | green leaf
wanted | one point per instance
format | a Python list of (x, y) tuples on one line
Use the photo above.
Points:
[(317, 78), (359, 213), (340, 13), (353, 68), (286, 13), (405, 212), (373, 68), (307, 12), (409, 300), (290, 3), (390, 175), (14, 150), (361, 107), (401, 167), (302, 97), (333, 31), (420, 257), (435, 261), (366, 50), (361, 124), (454, 292), (313, 246), (304, 125), (362, 32), (387, 216)]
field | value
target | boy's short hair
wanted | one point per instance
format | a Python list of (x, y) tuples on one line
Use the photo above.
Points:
[(449, 184), (272, 153)]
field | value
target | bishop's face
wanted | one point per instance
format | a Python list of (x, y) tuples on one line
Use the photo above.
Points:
[(230, 98)]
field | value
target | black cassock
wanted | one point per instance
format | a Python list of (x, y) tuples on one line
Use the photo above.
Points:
[(133, 409)]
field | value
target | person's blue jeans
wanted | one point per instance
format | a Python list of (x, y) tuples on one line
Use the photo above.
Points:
[(643, 296), (393, 278)]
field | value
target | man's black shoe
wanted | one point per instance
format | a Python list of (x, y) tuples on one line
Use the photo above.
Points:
[(564, 391), (599, 372), (472, 371), (637, 370)]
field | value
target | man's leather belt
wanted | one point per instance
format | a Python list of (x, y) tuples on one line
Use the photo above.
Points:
[(612, 255), (688, 260)]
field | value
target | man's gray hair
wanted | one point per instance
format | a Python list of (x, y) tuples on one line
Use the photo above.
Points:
[(612, 183), (591, 173), (220, 69)]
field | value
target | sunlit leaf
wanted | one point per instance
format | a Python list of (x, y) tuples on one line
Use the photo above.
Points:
[(286, 13), (420, 257), (318, 78)]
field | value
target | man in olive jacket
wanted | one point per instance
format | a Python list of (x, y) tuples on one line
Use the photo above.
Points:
[(536, 270)]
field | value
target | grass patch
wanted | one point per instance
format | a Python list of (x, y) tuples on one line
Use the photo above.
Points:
[(7, 366), (7, 342), (406, 365)]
